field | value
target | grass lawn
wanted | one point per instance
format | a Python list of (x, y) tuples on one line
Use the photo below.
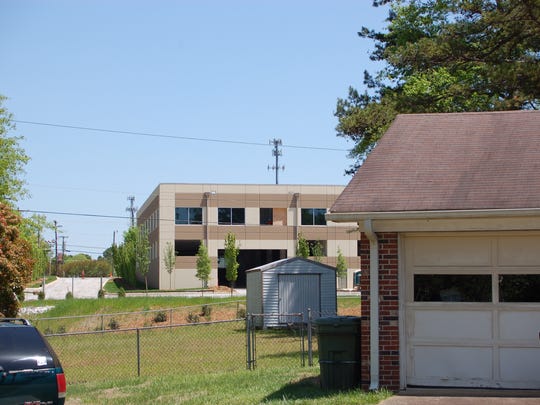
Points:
[(270, 386), (203, 364)]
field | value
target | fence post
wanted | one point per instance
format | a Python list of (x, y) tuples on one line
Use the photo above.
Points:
[(303, 338), (138, 354), (248, 342), (310, 338)]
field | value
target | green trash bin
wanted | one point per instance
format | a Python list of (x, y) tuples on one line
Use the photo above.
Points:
[(339, 351)]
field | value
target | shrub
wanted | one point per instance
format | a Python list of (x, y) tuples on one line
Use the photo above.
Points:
[(121, 292), (41, 295), (160, 316), (113, 324), (241, 312), (192, 318), (101, 293), (206, 311), (69, 295)]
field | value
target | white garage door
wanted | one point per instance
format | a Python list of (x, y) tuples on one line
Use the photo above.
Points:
[(472, 310)]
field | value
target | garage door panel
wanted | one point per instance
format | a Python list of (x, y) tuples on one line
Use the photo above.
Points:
[(450, 325), (520, 365), (447, 363), (518, 251), (451, 251), (489, 342), (514, 325)]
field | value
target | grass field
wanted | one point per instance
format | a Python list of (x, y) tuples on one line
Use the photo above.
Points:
[(194, 364), (279, 385)]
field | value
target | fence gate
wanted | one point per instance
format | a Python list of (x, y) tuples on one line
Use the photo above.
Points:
[(278, 345)]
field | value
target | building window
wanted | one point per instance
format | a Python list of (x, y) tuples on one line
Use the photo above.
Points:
[(231, 216), (186, 247), (313, 216), (188, 216), (519, 288), (266, 216), (452, 287)]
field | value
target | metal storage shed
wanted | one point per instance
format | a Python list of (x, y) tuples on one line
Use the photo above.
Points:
[(290, 286)]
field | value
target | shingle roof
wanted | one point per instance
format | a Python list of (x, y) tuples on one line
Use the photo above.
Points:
[(457, 161)]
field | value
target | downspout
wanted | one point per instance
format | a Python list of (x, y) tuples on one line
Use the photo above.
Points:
[(374, 303)]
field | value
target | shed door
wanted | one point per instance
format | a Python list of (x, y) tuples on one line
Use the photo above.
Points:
[(297, 293), (472, 310)]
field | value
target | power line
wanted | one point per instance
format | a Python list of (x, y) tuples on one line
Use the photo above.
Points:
[(78, 214), (154, 135), (86, 247)]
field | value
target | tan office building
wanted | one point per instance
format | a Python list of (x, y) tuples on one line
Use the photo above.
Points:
[(266, 220)]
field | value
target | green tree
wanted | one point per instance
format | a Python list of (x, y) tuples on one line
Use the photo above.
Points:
[(445, 56), (78, 257), (13, 159), (16, 261), (169, 260), (124, 257), (302, 247), (142, 254), (32, 229), (231, 259), (317, 251), (341, 264), (133, 256), (204, 265)]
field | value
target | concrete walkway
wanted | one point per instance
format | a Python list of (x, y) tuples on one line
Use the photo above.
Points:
[(464, 397), (87, 287)]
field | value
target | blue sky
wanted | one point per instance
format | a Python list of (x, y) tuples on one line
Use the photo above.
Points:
[(242, 72)]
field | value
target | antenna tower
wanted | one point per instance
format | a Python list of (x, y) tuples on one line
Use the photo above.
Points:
[(132, 209), (277, 153)]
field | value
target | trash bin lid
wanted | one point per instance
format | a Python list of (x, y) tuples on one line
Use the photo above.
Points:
[(338, 321)]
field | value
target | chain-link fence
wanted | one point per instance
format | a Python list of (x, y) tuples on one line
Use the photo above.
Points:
[(188, 348), (185, 340), (141, 319), (192, 348)]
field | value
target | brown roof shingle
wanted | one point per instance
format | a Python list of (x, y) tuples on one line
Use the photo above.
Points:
[(456, 161)]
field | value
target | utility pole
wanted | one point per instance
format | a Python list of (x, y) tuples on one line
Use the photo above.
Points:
[(55, 247), (277, 153), (132, 209), (63, 252)]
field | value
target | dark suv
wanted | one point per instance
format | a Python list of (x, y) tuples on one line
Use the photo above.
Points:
[(30, 372)]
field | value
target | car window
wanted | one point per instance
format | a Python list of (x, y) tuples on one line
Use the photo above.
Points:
[(23, 348)]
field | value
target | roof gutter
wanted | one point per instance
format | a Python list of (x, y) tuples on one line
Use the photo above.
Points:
[(483, 213), (374, 303)]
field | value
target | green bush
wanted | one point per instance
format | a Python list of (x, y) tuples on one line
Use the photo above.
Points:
[(41, 295), (113, 324), (206, 311), (69, 295), (241, 312), (192, 318), (121, 292), (160, 316), (101, 293), (90, 268)]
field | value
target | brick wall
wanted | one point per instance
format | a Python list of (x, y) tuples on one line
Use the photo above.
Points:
[(388, 311)]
